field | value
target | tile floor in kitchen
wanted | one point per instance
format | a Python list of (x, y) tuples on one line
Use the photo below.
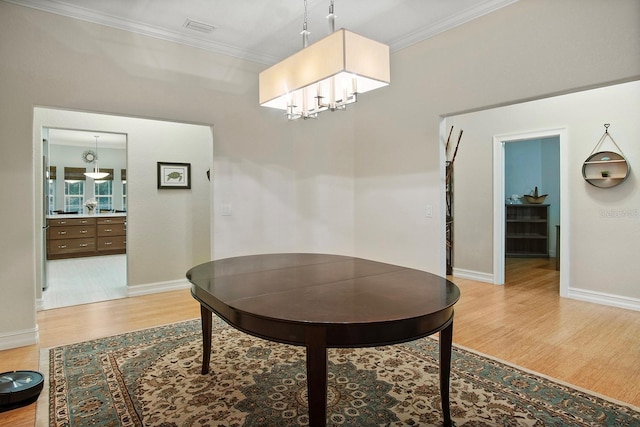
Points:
[(77, 281)]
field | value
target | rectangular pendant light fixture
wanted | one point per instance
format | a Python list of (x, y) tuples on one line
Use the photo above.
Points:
[(326, 75)]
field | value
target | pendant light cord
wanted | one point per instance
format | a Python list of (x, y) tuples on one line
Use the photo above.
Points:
[(96, 159), (304, 32), (332, 18)]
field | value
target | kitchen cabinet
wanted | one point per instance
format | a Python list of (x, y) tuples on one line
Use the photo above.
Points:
[(85, 236), (111, 234)]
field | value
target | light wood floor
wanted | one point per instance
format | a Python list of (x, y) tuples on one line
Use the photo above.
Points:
[(524, 322)]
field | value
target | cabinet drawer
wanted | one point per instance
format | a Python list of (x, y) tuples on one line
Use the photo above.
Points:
[(55, 222), (111, 229), (112, 243), (112, 220), (68, 246), (71, 232)]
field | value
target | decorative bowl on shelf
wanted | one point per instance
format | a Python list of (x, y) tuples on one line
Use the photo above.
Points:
[(535, 198)]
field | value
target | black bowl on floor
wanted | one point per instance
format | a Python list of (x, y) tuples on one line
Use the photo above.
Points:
[(19, 388)]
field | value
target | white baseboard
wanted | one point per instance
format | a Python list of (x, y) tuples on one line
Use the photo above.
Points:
[(156, 288), (473, 275), (628, 303), (602, 298), (19, 338)]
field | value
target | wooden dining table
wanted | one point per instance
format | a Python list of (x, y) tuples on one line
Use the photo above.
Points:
[(322, 301)]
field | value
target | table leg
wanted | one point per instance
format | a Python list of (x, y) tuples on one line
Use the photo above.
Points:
[(206, 317), (446, 339), (317, 376)]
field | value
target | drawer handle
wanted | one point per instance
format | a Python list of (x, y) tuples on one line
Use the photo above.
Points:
[(84, 245), (62, 233), (108, 230), (107, 221), (83, 221), (84, 231), (108, 243), (62, 246), (62, 222)]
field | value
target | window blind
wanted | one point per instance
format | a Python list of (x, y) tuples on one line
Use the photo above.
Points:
[(74, 174)]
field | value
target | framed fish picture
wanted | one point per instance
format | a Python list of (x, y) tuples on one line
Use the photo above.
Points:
[(174, 175)]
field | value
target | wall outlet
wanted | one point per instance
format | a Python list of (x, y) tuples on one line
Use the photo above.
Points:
[(429, 211), (226, 209)]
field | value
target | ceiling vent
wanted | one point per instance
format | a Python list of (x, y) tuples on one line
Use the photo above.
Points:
[(199, 26)]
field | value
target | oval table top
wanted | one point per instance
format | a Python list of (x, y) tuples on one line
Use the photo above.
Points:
[(357, 301)]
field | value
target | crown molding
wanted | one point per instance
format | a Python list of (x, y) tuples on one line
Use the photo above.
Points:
[(480, 9), (83, 14), (60, 8)]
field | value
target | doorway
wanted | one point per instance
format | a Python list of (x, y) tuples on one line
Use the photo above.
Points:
[(167, 231), (520, 160), (84, 246), (532, 189)]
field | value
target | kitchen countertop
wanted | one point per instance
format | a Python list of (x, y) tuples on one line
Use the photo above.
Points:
[(86, 215)]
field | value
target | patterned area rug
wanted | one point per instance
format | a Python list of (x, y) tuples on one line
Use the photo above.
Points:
[(152, 378)]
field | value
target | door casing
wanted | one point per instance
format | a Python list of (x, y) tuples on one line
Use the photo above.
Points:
[(499, 198)]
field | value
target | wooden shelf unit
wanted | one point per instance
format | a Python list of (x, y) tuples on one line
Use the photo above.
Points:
[(527, 230), (614, 163)]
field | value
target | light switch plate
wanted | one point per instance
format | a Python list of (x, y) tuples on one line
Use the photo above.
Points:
[(429, 211)]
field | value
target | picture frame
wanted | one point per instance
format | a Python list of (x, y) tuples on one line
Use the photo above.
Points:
[(174, 175)]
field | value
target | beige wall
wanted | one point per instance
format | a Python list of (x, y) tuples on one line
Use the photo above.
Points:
[(277, 176), (289, 192), (389, 142), (603, 225), (531, 49), (177, 221)]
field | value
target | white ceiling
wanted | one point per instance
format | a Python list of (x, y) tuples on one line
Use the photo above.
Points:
[(269, 31)]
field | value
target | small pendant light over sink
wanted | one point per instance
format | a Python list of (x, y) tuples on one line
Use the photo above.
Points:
[(96, 174)]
